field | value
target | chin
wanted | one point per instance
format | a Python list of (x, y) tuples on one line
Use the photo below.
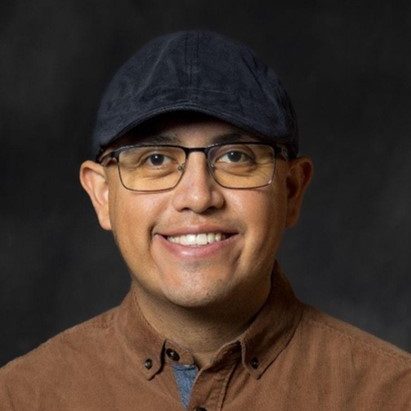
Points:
[(194, 299)]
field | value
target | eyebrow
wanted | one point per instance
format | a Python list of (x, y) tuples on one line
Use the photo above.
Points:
[(233, 137), (159, 139)]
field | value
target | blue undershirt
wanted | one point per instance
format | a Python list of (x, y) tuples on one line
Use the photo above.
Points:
[(185, 376)]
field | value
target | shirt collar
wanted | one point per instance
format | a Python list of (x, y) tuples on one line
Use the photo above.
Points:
[(140, 341), (259, 345), (273, 327)]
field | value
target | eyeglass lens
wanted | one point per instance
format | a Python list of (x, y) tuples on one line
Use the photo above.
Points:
[(156, 168)]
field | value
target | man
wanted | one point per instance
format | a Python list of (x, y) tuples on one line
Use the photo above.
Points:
[(197, 176)]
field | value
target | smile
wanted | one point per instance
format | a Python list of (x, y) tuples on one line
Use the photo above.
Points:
[(197, 239)]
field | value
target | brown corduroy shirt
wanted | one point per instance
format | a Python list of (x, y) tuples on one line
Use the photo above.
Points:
[(292, 357)]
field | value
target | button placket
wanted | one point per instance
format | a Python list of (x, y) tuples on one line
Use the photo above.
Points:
[(211, 386)]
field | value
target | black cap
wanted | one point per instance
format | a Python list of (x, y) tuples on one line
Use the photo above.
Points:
[(198, 71)]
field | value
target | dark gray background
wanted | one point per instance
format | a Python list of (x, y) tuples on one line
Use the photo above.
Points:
[(347, 68)]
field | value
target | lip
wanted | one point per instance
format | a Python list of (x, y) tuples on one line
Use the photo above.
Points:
[(196, 229), (195, 252)]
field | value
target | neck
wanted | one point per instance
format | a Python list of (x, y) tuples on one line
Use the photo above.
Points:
[(201, 330)]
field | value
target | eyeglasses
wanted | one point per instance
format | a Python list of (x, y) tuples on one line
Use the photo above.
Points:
[(147, 168)]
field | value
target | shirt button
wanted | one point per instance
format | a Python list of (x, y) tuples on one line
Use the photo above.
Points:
[(254, 362), (148, 363), (173, 355)]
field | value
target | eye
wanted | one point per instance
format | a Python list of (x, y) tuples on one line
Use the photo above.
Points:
[(150, 158), (157, 159), (236, 156)]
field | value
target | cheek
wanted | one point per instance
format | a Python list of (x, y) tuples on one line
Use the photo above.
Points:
[(264, 215), (133, 216)]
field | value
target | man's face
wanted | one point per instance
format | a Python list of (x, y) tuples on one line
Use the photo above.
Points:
[(151, 228)]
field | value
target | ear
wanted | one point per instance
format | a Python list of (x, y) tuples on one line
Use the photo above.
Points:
[(93, 178), (299, 176)]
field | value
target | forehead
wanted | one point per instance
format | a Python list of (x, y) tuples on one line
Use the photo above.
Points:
[(186, 129)]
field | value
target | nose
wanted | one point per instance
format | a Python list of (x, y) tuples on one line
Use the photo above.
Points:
[(197, 191)]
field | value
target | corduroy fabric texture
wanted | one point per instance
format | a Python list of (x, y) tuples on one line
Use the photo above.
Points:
[(292, 357)]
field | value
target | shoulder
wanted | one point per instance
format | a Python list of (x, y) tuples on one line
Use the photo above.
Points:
[(52, 357), (54, 368), (362, 365), (342, 335)]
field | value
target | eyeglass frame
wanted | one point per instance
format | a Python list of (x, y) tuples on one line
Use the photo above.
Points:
[(280, 150)]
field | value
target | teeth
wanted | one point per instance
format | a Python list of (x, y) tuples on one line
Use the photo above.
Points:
[(196, 239)]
